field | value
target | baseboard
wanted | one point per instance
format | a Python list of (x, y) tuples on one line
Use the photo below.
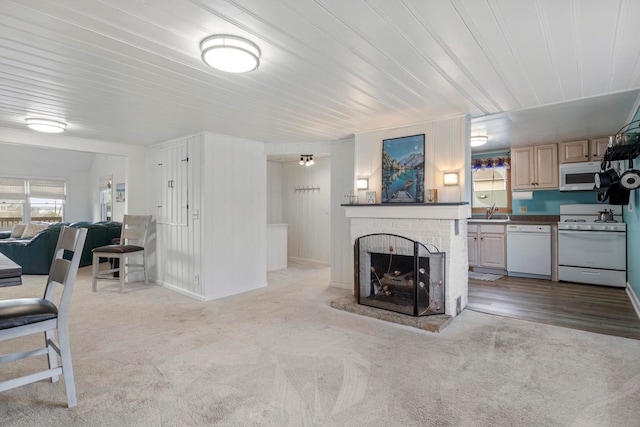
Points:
[(277, 267), (309, 261), (341, 285), (180, 290), (236, 291), (634, 299)]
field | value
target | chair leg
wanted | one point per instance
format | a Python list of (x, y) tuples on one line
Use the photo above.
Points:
[(51, 353), (67, 366), (122, 272), (96, 267)]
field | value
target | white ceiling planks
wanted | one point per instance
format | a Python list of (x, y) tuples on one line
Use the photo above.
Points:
[(130, 71)]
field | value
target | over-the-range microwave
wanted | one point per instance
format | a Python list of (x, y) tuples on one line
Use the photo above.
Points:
[(578, 176)]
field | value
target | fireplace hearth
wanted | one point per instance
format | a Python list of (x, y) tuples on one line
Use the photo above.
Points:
[(399, 274)]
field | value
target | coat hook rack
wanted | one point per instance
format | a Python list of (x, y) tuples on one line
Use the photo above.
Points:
[(306, 188)]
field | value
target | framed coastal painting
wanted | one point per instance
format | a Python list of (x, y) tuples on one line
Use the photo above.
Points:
[(403, 169)]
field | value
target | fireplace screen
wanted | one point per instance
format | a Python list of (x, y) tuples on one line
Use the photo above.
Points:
[(399, 274)]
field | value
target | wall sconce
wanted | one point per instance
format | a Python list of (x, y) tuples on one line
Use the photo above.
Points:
[(451, 178), (362, 183), (306, 160)]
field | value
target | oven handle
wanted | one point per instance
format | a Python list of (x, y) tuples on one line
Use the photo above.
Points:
[(596, 232)]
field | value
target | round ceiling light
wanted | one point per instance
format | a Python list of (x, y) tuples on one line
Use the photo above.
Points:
[(231, 54), (46, 125), (477, 141)]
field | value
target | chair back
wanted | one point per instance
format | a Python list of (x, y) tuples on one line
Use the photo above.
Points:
[(64, 267), (135, 229)]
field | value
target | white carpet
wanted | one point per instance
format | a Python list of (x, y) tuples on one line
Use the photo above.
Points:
[(484, 276), (281, 356)]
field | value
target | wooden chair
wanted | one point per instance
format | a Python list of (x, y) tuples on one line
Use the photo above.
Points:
[(133, 239), (27, 316)]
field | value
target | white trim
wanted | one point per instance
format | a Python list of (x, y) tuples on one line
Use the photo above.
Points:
[(634, 299), (244, 289), (180, 290)]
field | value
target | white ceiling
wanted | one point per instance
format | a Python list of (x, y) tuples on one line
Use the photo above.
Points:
[(130, 71)]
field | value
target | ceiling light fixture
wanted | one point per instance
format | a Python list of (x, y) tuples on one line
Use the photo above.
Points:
[(46, 125), (306, 160), (479, 140), (231, 54)]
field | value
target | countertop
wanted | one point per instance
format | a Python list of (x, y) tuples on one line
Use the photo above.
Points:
[(517, 219)]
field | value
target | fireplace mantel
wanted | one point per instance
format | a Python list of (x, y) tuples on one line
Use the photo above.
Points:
[(410, 210)]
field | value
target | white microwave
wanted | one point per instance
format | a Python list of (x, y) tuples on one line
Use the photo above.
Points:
[(578, 176)]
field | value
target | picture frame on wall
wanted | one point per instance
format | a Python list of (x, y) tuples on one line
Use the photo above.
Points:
[(403, 169)]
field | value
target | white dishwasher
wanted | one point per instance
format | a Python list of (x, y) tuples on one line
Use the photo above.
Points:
[(529, 251)]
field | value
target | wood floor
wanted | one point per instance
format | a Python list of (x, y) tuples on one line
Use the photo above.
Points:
[(598, 309)]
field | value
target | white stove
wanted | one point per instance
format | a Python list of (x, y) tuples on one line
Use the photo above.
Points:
[(589, 250)]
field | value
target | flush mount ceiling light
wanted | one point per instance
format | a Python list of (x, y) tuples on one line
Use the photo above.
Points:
[(231, 54), (46, 125), (479, 140)]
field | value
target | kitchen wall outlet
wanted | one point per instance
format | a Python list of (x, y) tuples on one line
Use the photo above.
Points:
[(458, 305), (524, 209)]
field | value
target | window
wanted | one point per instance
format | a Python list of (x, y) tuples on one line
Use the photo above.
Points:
[(24, 200)]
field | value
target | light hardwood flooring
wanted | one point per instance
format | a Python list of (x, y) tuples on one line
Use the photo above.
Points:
[(600, 309)]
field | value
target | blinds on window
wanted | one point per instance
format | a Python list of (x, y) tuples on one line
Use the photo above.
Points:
[(13, 189), (47, 189)]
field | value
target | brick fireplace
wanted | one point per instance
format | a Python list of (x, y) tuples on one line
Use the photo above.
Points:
[(440, 225)]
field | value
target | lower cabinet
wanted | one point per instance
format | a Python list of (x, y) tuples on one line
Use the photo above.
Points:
[(487, 246)]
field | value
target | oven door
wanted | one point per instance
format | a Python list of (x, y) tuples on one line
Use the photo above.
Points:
[(592, 249)]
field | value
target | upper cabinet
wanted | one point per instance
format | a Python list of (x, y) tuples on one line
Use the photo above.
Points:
[(597, 148), (535, 167), (173, 205), (583, 150), (573, 151)]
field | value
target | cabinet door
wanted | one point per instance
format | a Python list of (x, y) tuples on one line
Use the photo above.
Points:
[(162, 188), (178, 184), (598, 147), (546, 163), (492, 250), (522, 172), (472, 244), (573, 151)]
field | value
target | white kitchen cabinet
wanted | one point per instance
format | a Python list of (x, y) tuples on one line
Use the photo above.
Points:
[(487, 246), (534, 167), (172, 184)]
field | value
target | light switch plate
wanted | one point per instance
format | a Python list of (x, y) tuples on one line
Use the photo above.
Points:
[(524, 209)]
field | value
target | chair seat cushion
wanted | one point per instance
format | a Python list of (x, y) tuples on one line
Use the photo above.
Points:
[(25, 311), (118, 249)]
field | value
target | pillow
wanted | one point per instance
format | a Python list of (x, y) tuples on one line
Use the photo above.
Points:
[(32, 229), (17, 230)]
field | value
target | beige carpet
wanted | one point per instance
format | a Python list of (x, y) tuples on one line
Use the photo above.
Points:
[(281, 356)]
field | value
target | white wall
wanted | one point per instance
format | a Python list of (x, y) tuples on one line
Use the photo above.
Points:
[(342, 173), (233, 215), (274, 192), (107, 165), (74, 166), (446, 149), (307, 211)]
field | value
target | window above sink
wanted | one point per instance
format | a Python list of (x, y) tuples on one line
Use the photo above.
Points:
[(491, 184)]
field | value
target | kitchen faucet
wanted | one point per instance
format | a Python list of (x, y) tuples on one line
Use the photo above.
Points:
[(490, 211)]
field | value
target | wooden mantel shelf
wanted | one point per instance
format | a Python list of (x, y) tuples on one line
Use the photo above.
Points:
[(460, 210)]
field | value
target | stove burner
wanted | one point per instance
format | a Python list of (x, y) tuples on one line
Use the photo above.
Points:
[(575, 220), (608, 220)]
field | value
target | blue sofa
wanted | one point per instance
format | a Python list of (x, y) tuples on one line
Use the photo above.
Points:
[(35, 255)]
